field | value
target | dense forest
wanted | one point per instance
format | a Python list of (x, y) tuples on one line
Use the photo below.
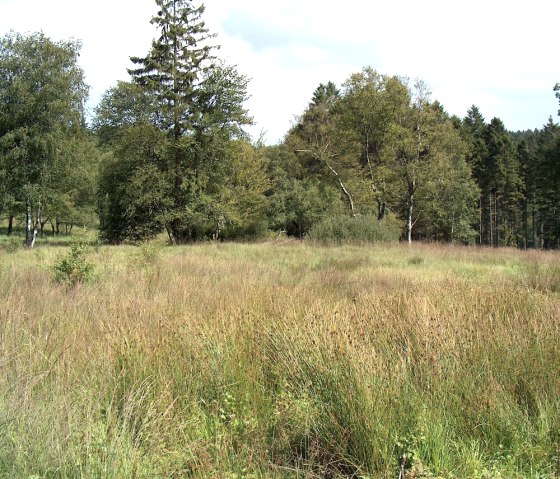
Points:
[(166, 151)]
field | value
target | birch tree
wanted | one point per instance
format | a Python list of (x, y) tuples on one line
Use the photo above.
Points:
[(42, 95)]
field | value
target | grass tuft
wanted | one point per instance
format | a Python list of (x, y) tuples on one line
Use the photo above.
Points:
[(281, 360)]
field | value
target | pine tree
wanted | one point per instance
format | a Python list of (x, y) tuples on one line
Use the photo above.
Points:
[(173, 73), (197, 103), (502, 183)]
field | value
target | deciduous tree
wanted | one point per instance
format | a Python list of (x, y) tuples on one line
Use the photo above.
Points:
[(42, 95)]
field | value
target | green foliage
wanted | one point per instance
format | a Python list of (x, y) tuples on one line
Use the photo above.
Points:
[(46, 159), (342, 229), (299, 205), (75, 268), (133, 189), (387, 147), (196, 177), (148, 254), (121, 106), (12, 244)]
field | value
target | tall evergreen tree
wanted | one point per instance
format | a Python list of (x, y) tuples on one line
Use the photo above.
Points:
[(530, 167), (196, 103), (173, 72), (548, 191), (502, 185), (325, 94), (474, 131)]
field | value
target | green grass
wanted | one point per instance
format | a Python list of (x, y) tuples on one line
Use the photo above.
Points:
[(282, 360), (17, 239)]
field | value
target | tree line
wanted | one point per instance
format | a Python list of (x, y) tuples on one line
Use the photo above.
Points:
[(166, 151)]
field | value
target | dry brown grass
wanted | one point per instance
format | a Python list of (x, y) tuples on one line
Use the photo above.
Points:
[(287, 360)]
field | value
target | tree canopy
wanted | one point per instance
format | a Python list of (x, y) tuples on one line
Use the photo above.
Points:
[(42, 95), (166, 151), (190, 105)]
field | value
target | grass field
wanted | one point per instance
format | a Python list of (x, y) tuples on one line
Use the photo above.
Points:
[(280, 360)]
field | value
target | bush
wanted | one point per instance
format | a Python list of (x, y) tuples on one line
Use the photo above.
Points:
[(341, 229), (75, 267), (12, 244), (148, 254)]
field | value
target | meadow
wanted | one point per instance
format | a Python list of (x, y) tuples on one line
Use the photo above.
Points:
[(280, 360)]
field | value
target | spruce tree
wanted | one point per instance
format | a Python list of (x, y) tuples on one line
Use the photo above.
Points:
[(197, 102), (548, 193), (173, 73), (504, 184), (474, 132)]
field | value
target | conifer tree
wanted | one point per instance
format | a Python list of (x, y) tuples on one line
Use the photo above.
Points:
[(173, 73), (547, 189), (474, 130), (191, 107), (503, 184)]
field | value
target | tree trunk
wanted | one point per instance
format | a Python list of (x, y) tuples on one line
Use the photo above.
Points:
[(452, 228), (31, 224), (480, 220), (381, 209), (491, 220), (28, 241), (170, 235), (525, 224), (410, 209), (10, 225), (36, 223), (498, 222), (42, 228), (34, 236), (533, 231), (344, 189)]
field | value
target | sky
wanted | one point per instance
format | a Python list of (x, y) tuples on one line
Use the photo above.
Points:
[(499, 55)]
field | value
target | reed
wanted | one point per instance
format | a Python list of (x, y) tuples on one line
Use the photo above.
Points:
[(282, 360)]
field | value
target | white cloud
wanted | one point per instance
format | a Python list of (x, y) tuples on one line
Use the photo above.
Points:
[(500, 55)]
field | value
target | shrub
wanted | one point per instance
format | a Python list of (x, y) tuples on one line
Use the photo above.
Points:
[(12, 244), (342, 229), (148, 254), (75, 267)]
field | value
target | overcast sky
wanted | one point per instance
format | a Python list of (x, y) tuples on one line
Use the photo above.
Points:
[(499, 55)]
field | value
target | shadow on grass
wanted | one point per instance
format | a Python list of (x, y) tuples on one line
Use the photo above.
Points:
[(48, 239)]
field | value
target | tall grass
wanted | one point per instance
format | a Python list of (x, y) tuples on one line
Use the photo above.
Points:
[(280, 360)]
